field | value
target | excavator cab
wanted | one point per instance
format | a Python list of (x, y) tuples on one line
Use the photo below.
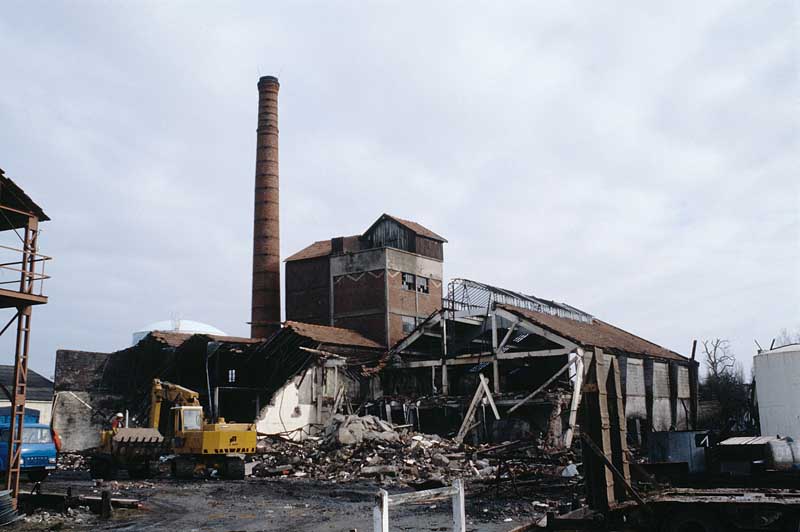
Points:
[(188, 418)]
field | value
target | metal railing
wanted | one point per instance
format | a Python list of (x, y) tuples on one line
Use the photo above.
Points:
[(465, 294), (27, 271)]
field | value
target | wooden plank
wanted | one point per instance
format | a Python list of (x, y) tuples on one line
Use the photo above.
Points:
[(543, 386), (477, 358), (465, 425), (489, 397), (614, 471), (422, 496), (575, 401)]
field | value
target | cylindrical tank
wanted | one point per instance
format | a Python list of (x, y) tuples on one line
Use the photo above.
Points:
[(784, 454), (777, 376)]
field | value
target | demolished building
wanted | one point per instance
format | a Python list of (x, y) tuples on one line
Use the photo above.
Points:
[(370, 330)]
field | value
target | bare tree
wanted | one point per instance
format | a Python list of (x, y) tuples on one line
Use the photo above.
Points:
[(718, 357), (724, 383), (785, 337)]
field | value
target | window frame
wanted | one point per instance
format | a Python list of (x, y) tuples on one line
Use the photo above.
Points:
[(427, 287)]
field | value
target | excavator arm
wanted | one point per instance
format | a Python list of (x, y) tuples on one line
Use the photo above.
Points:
[(172, 393)]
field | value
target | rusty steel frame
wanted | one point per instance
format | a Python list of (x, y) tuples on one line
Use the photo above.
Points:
[(21, 353)]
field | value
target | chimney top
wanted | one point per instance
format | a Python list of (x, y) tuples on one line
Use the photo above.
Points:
[(268, 80)]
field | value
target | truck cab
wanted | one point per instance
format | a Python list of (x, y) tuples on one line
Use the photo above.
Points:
[(39, 451)]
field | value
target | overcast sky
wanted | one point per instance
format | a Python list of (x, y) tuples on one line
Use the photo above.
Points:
[(636, 160)]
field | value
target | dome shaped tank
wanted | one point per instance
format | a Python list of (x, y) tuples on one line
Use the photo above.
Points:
[(178, 326)]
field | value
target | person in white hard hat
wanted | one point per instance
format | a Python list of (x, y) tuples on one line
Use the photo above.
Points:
[(118, 421)]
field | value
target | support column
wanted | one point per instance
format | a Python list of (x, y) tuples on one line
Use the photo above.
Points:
[(445, 381), (495, 363)]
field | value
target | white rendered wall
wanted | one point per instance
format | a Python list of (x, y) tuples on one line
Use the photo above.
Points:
[(292, 407), (777, 376)]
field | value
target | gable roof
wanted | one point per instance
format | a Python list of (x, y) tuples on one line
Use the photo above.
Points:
[(325, 334), (594, 333), (13, 196), (322, 248), (176, 339), (39, 388), (414, 227)]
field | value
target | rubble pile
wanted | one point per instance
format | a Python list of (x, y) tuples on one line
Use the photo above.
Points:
[(43, 520), (72, 462), (367, 447), (354, 447)]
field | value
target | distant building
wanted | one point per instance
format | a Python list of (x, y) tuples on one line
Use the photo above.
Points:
[(39, 394), (381, 283)]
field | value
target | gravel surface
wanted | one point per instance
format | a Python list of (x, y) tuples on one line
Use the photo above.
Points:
[(257, 504)]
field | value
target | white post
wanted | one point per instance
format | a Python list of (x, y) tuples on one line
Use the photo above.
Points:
[(380, 512), (577, 386), (459, 517)]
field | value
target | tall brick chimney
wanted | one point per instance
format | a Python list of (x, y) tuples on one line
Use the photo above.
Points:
[(266, 303)]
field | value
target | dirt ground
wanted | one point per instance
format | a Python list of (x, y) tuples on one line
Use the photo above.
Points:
[(258, 504)]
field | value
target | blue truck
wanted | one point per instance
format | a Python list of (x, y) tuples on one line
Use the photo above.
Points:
[(39, 445)]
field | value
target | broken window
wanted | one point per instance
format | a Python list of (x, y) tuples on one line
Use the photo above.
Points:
[(408, 282), (231, 375), (409, 324), (422, 284)]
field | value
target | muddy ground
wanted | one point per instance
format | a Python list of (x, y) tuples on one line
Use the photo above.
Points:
[(258, 504)]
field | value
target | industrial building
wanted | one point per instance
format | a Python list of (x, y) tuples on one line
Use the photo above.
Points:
[(370, 329)]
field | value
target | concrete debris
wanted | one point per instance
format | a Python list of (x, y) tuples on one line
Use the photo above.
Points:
[(54, 520), (354, 447), (353, 430), (72, 462)]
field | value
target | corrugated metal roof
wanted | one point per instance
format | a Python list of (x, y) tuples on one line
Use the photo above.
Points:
[(331, 335), (749, 440), (594, 333)]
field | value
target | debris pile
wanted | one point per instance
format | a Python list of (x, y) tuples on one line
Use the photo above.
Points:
[(43, 520), (353, 447), (72, 462)]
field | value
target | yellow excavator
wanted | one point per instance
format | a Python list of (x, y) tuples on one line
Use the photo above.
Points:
[(194, 441)]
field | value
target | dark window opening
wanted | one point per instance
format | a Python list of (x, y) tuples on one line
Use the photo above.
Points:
[(422, 285), (409, 324), (409, 283)]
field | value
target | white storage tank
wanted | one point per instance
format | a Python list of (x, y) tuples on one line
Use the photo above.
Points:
[(777, 375)]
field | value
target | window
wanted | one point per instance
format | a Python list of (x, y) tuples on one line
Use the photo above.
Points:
[(231, 375), (192, 418), (29, 435), (409, 323), (422, 284), (408, 282)]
